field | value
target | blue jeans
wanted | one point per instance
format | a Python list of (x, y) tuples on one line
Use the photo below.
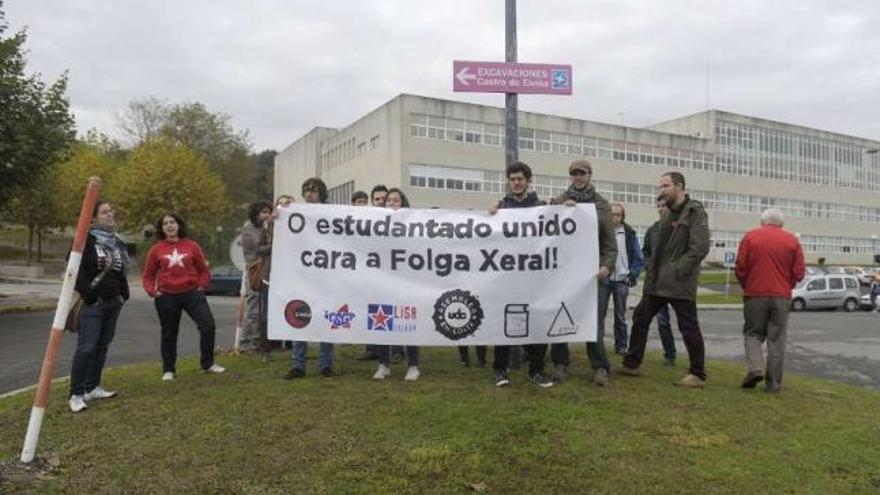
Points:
[(620, 290), (97, 326), (383, 354), (666, 337), (298, 355)]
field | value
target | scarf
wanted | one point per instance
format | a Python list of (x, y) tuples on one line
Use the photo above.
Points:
[(113, 244)]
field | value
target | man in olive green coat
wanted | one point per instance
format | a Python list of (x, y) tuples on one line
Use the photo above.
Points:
[(672, 268), (581, 190)]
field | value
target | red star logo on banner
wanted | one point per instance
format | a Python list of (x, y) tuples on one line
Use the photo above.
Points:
[(379, 318)]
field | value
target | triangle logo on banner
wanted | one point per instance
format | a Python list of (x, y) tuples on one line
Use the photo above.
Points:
[(563, 324)]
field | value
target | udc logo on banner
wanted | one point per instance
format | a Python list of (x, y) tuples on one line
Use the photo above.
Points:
[(457, 314)]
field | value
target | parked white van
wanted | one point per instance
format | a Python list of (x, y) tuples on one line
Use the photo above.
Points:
[(826, 291)]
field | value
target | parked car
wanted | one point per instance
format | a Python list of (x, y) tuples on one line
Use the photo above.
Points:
[(815, 270), (867, 275), (225, 280), (827, 291)]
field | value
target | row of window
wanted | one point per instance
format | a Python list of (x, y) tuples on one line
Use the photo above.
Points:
[(741, 150), (341, 194), (345, 151), (471, 132), (770, 153), (547, 186)]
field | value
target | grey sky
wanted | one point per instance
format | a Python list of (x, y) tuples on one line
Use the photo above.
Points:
[(282, 67)]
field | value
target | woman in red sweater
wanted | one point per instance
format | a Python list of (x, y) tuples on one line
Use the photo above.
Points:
[(176, 275)]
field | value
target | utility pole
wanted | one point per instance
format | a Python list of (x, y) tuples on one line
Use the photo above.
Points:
[(511, 122)]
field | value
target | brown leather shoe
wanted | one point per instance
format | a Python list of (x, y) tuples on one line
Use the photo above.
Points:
[(691, 381), (627, 371), (752, 378)]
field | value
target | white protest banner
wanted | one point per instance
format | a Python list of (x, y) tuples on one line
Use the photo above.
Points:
[(358, 274)]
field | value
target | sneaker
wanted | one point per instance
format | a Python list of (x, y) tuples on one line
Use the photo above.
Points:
[(541, 380), (560, 373), (167, 376), (294, 373), (215, 368), (77, 403), (98, 393), (412, 374), (382, 372), (600, 378), (501, 379), (327, 372), (691, 381), (627, 371), (751, 379)]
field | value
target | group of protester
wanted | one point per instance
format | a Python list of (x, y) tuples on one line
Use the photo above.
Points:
[(769, 264)]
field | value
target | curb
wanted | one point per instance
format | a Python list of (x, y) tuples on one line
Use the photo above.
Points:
[(27, 309), (22, 390)]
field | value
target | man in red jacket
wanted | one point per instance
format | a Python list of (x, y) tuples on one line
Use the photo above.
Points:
[(769, 263)]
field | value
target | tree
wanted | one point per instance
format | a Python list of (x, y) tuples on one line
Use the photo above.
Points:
[(143, 119), (41, 138), (36, 126), (265, 179), (161, 176), (209, 134), (70, 177)]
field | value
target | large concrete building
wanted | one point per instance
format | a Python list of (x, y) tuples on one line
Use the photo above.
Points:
[(451, 154)]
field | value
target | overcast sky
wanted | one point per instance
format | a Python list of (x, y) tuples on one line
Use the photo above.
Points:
[(280, 68)]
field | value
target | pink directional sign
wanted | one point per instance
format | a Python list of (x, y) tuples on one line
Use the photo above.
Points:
[(501, 77)]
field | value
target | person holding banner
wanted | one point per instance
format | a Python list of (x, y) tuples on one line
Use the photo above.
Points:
[(103, 286), (265, 247), (671, 278), (176, 274), (519, 177), (378, 195), (314, 191), (582, 191), (396, 200)]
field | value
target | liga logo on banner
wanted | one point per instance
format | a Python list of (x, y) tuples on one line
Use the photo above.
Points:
[(434, 277)]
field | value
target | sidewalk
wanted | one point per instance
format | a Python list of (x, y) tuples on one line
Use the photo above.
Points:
[(19, 294)]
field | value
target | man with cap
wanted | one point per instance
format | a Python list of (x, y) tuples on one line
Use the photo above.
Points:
[(581, 190)]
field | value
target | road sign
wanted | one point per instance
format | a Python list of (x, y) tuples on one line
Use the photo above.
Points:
[(236, 255), (729, 259), (501, 77)]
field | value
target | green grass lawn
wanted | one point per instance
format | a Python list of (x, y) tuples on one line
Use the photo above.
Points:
[(719, 298), (717, 278), (249, 431)]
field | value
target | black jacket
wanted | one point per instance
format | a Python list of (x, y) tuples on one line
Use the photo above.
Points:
[(530, 200), (94, 258)]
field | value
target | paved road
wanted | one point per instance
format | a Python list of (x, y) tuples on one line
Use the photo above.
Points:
[(834, 345)]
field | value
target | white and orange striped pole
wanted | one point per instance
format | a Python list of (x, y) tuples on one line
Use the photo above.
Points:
[(61, 311)]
